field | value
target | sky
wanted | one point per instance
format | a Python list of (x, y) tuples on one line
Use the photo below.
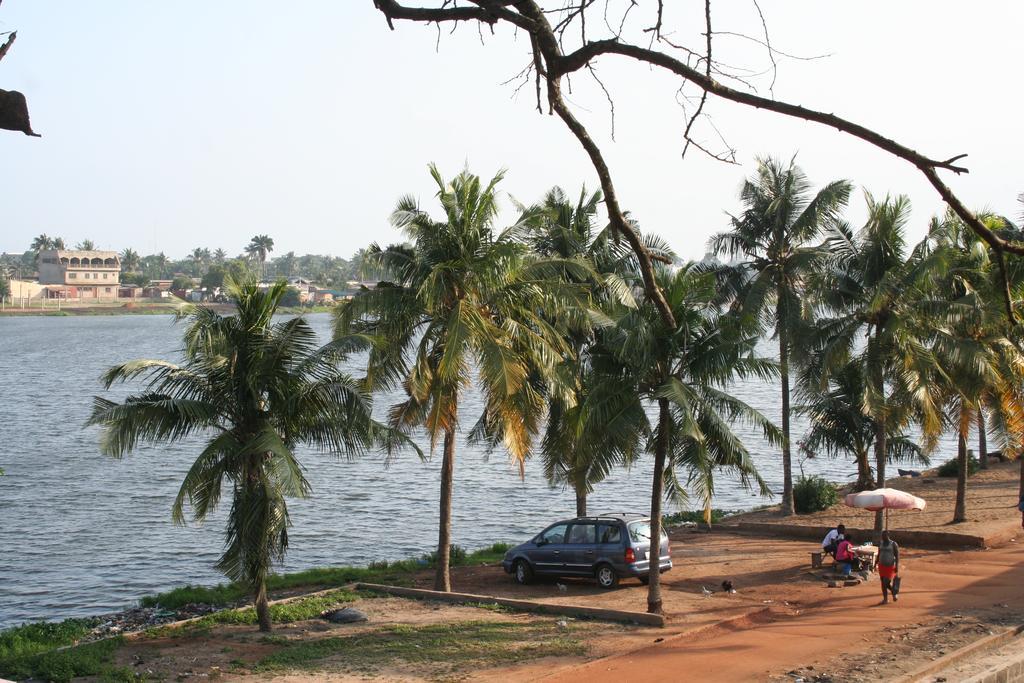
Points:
[(171, 126)]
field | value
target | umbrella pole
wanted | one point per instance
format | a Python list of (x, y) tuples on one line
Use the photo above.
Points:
[(886, 519)]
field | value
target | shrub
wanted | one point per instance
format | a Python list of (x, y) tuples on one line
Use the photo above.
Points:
[(811, 494), (951, 468), (692, 516)]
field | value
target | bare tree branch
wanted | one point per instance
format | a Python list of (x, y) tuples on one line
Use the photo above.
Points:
[(7, 45), (551, 63)]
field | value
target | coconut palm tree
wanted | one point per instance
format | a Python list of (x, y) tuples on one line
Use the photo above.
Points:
[(781, 217), (840, 425), (220, 256), (254, 390), (130, 260), (58, 243), (461, 297), (686, 372), (86, 245), (983, 368), (41, 243), (880, 317), (579, 451), (258, 249)]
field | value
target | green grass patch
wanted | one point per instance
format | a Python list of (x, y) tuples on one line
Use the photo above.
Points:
[(297, 610), (32, 639), (91, 659), (480, 643), (394, 573)]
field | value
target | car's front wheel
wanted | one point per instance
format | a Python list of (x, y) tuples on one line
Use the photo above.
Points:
[(521, 572), (607, 577)]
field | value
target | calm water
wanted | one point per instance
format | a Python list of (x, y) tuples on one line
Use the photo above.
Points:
[(81, 533)]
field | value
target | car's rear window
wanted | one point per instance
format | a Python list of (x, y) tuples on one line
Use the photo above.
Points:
[(640, 532)]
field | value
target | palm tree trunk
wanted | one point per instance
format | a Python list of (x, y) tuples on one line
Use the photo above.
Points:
[(864, 481), (787, 460), (881, 445), (581, 501), (982, 439), (960, 510), (442, 578), (654, 553), (262, 605)]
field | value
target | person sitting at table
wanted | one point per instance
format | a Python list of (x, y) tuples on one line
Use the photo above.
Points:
[(845, 555), (831, 540)]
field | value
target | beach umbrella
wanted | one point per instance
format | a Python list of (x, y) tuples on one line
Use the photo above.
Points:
[(885, 499)]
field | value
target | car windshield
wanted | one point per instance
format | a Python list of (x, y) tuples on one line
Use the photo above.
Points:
[(640, 532)]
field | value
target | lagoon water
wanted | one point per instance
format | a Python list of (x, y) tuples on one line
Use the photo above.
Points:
[(83, 534)]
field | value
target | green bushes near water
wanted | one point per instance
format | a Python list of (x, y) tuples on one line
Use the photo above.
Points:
[(694, 517), (951, 468), (813, 494)]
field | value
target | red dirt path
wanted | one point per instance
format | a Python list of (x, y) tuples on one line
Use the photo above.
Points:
[(848, 622)]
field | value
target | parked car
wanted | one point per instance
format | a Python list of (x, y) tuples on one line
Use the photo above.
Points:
[(607, 547)]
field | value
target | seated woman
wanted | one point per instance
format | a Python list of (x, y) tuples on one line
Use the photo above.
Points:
[(845, 556)]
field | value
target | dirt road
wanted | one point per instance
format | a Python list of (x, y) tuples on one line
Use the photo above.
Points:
[(843, 633)]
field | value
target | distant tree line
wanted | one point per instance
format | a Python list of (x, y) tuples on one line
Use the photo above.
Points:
[(212, 267)]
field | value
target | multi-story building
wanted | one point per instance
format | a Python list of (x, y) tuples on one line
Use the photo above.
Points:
[(80, 274)]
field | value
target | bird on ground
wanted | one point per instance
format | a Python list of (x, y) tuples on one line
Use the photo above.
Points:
[(706, 592), (727, 586), (561, 587)]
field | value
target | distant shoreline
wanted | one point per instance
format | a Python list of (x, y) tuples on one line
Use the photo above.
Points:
[(139, 309)]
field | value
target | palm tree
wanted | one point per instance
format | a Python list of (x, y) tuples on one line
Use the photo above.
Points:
[(41, 243), (982, 366), (779, 219), (686, 371), (881, 320), (86, 245), (579, 451), (286, 264), (460, 296), (220, 256), (58, 243), (130, 260), (840, 425), (255, 389), (258, 248)]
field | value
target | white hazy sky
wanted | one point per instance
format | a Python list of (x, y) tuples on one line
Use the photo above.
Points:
[(173, 125)]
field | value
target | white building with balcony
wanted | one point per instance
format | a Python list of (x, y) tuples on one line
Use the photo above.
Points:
[(80, 274)]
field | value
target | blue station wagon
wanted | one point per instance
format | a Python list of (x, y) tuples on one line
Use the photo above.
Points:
[(606, 547)]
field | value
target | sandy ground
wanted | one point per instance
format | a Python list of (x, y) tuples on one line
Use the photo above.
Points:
[(948, 600), (991, 499)]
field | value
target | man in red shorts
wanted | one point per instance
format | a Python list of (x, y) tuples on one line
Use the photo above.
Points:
[(889, 567)]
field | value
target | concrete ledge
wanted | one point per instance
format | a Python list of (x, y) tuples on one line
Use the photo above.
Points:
[(957, 656), (525, 605), (938, 540)]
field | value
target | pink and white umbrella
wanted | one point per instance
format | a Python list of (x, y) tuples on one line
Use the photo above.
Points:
[(885, 499)]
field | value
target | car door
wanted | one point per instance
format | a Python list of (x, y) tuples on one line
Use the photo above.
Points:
[(610, 545), (581, 548), (548, 557)]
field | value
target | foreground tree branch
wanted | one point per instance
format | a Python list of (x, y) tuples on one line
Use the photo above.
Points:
[(13, 108), (551, 64)]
